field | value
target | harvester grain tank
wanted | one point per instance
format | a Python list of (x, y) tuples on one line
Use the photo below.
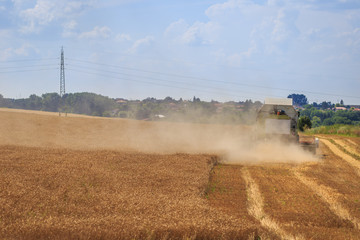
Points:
[(277, 118)]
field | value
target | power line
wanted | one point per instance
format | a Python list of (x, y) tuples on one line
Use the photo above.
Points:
[(172, 81), (141, 81), (28, 66), (155, 79), (163, 80), (213, 80), (166, 60), (164, 85), (35, 70), (28, 60)]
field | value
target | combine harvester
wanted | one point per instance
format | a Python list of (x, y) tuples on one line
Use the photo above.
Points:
[(278, 119)]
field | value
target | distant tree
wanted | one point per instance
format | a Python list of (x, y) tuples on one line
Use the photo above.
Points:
[(316, 121), (34, 102), (307, 106), (142, 113), (341, 102), (257, 104), (150, 99), (304, 123), (328, 122), (169, 99), (50, 102), (196, 99), (298, 99), (341, 120), (248, 104), (325, 105)]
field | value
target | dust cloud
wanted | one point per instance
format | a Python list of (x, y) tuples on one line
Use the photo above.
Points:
[(234, 144)]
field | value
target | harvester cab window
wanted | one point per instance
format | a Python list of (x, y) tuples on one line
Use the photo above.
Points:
[(280, 112)]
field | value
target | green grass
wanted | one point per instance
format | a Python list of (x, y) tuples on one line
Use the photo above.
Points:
[(337, 129)]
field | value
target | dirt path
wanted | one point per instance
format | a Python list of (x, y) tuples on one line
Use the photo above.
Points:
[(352, 161), (256, 208), (330, 196)]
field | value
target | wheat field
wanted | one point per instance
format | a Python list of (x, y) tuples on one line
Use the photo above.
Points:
[(79, 177)]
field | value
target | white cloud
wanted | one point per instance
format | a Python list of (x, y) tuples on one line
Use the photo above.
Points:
[(352, 39), (7, 53), (46, 11), (41, 14), (176, 28), (198, 33), (221, 8), (141, 42), (97, 32), (276, 32), (275, 3), (68, 29), (219, 53), (284, 25), (251, 50), (235, 59), (23, 50), (18, 3), (123, 37), (70, 25)]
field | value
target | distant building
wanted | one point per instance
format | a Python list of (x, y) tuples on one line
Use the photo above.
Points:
[(121, 101), (340, 108)]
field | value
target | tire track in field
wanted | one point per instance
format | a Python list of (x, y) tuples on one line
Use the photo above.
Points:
[(347, 147), (351, 142), (330, 196), (353, 145), (352, 161), (256, 207)]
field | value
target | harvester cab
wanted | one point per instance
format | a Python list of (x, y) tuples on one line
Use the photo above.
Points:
[(277, 119)]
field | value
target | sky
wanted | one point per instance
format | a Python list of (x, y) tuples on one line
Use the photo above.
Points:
[(215, 50)]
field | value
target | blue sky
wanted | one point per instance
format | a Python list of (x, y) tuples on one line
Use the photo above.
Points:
[(221, 50)]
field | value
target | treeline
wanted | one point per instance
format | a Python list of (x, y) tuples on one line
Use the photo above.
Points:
[(82, 103), (326, 113), (327, 117), (169, 109)]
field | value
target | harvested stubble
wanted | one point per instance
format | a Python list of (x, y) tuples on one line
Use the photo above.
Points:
[(59, 193), (299, 210), (341, 177)]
